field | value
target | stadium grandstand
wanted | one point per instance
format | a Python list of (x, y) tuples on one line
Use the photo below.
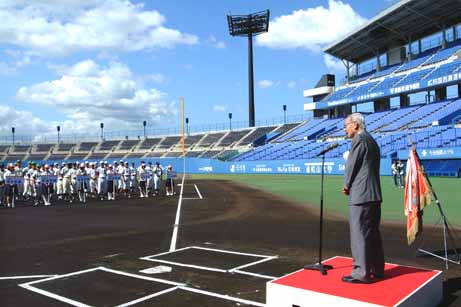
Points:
[(403, 71)]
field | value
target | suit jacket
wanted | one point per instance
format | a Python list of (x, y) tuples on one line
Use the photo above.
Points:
[(362, 170)]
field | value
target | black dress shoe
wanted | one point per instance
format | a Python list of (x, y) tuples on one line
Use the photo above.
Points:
[(354, 280), (377, 276)]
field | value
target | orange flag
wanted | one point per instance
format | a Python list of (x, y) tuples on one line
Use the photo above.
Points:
[(417, 196)]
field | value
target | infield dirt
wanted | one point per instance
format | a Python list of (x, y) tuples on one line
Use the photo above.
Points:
[(67, 238)]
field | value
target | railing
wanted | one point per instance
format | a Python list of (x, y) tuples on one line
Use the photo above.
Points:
[(150, 133)]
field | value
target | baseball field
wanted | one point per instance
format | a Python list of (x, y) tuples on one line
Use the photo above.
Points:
[(233, 234)]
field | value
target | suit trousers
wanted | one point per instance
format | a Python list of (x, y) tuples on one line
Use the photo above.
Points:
[(366, 242)]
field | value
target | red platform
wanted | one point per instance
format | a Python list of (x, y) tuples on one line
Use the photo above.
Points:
[(402, 286)]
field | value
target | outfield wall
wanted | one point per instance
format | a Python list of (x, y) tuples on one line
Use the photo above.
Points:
[(213, 166)]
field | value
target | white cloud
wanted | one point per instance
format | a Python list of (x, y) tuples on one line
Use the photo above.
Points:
[(291, 84), (61, 27), (267, 83), (333, 64), (215, 43), (24, 122), (312, 28), (87, 94), (158, 78), (14, 60), (220, 108)]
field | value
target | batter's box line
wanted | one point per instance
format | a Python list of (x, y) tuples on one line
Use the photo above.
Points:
[(30, 286), (196, 189), (199, 267)]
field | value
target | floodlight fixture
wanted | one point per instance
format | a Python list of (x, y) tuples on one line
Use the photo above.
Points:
[(102, 131), (249, 25), (284, 113), (58, 128), (187, 126)]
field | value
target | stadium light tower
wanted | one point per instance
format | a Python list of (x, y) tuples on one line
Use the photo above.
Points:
[(58, 128), (284, 113), (13, 130), (249, 25), (230, 121), (102, 131), (187, 126), (144, 124)]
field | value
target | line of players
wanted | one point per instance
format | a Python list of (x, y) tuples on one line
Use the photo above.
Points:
[(76, 181)]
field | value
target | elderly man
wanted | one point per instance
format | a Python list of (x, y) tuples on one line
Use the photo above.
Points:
[(362, 185)]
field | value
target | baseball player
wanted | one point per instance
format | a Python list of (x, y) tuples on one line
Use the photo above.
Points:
[(157, 172), (9, 188), (82, 186), (142, 179)]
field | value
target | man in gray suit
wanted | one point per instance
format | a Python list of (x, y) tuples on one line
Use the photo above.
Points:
[(362, 185)]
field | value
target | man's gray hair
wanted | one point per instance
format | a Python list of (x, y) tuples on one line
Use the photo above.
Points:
[(357, 118)]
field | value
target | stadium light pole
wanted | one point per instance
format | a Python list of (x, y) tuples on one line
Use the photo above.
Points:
[(249, 25), (187, 126), (284, 113), (13, 130), (102, 131), (58, 128), (144, 123), (230, 121)]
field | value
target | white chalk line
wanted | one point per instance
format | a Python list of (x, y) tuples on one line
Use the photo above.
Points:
[(255, 274), (60, 276), (174, 237), (55, 296), (254, 263), (198, 192), (199, 267), (29, 286), (192, 266), (148, 297), (165, 253), (26, 277), (208, 249), (163, 281), (230, 252)]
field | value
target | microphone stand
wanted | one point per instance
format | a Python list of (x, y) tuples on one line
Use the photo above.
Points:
[(323, 268)]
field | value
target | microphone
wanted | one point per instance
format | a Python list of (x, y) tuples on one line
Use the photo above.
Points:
[(331, 147)]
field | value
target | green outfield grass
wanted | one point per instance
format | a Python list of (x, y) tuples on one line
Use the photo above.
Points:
[(306, 189)]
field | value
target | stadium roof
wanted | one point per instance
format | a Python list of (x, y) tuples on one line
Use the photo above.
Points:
[(395, 26)]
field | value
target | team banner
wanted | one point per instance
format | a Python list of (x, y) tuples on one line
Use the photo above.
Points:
[(49, 179), (14, 180), (144, 176), (113, 177), (417, 196), (171, 175), (83, 178)]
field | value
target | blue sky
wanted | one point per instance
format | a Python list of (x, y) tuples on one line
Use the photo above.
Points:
[(76, 63)]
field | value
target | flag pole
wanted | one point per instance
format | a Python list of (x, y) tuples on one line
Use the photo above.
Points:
[(447, 232)]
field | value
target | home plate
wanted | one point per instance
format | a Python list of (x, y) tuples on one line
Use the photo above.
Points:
[(157, 270), (402, 286)]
